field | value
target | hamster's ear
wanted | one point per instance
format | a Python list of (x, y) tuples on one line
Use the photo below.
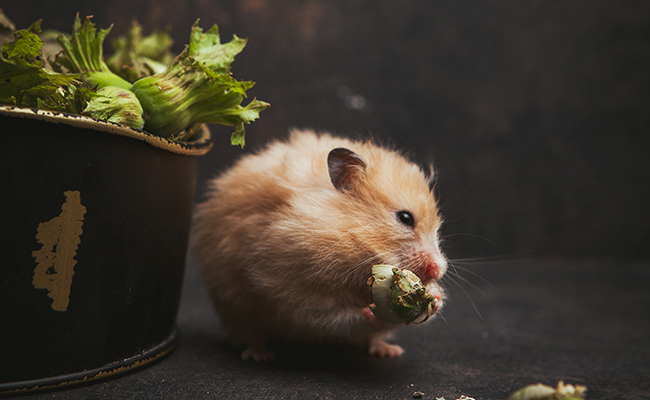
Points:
[(432, 176), (345, 168)]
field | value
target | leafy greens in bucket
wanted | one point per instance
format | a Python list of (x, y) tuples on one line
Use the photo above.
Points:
[(141, 85)]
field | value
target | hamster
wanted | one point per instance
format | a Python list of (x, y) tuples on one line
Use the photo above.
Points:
[(287, 239)]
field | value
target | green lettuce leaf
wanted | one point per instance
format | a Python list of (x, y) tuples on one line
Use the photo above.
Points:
[(24, 82), (135, 56), (83, 53), (168, 97), (117, 105), (198, 88)]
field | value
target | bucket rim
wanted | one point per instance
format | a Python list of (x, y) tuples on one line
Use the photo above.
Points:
[(198, 146), (144, 359)]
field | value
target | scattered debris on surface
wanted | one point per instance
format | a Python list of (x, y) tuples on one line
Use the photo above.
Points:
[(544, 392), (535, 392)]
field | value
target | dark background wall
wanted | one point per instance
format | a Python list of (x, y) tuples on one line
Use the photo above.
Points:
[(535, 113)]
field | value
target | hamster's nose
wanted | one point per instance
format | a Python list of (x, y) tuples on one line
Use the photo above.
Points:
[(433, 267), (429, 271)]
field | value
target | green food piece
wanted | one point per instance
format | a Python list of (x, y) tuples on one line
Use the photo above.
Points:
[(24, 82), (135, 56), (168, 97), (198, 88), (51, 48), (117, 105), (83, 53), (72, 99), (399, 296), (544, 392)]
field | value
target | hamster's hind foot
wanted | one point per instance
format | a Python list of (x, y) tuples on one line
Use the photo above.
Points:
[(380, 348)]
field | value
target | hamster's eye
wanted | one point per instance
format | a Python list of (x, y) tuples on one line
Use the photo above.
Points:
[(406, 218)]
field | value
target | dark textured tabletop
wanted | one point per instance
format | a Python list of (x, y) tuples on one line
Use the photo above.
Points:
[(506, 325)]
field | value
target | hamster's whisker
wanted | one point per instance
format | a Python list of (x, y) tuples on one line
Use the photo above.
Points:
[(467, 234), (444, 284), (366, 262), (451, 264), (457, 267), (332, 266), (460, 281), (462, 288), (506, 258), (442, 316), (464, 280)]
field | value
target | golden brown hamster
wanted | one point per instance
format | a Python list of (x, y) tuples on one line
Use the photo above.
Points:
[(288, 236)]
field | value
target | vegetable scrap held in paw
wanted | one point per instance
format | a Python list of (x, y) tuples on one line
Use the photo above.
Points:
[(399, 296)]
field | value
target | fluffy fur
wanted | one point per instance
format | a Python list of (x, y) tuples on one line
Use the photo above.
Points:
[(287, 256)]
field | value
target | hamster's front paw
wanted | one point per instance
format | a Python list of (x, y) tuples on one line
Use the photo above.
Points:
[(372, 320), (380, 348)]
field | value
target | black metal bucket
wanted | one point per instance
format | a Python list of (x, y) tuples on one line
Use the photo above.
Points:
[(94, 226)]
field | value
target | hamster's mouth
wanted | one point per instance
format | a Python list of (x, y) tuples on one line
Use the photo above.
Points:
[(427, 272), (425, 275), (428, 266)]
